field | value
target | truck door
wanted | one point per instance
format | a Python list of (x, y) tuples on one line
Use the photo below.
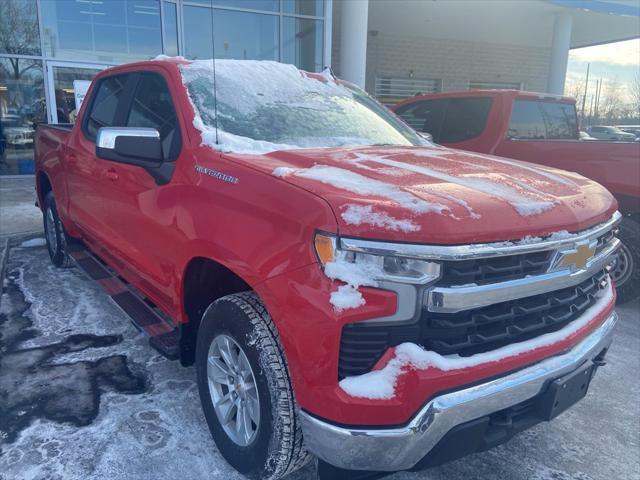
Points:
[(88, 176), (142, 210)]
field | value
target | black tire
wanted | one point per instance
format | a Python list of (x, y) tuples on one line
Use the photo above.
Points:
[(54, 233), (626, 270), (277, 448)]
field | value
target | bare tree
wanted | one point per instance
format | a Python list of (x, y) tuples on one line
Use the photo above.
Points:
[(612, 102), (574, 88), (19, 33)]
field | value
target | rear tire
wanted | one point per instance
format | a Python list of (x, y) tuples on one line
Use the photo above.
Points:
[(274, 447), (626, 270), (54, 233)]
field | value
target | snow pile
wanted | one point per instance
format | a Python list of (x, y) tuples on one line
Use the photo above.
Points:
[(354, 275), (34, 242), (380, 384), (282, 172), (359, 214), (555, 236)]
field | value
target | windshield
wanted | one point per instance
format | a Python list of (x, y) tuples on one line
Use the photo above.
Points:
[(266, 106)]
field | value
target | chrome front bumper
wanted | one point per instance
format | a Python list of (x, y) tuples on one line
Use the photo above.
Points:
[(400, 448)]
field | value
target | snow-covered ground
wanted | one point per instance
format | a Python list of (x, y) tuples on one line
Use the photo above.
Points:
[(18, 213), (106, 405)]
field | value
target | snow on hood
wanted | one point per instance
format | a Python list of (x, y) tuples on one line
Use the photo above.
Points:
[(449, 196)]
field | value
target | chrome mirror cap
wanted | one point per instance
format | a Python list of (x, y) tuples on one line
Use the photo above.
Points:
[(107, 135)]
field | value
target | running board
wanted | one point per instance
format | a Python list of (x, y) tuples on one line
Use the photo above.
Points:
[(164, 336)]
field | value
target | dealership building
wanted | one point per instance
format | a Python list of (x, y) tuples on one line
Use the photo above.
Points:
[(51, 49)]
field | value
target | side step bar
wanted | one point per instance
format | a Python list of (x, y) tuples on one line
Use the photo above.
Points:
[(164, 336)]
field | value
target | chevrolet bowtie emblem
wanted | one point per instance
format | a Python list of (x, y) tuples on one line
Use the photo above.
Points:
[(577, 259)]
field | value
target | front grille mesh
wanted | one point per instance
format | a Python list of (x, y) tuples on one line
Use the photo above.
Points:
[(472, 331), (502, 269)]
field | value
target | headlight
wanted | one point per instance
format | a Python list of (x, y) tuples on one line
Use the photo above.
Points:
[(377, 267)]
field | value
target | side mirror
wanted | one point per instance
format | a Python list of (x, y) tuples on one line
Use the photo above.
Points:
[(135, 146), (132, 145)]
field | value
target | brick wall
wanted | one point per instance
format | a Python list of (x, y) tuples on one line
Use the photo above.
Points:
[(454, 62)]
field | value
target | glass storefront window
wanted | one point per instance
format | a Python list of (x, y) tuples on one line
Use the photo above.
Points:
[(314, 8), (19, 27), (302, 43), (239, 35), (246, 36), (170, 29), (102, 31), (68, 83), (266, 5), (197, 32), (22, 105)]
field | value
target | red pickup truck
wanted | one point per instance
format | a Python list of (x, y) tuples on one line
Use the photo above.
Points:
[(345, 288), (542, 129)]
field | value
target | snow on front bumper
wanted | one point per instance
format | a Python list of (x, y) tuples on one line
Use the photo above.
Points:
[(400, 448), (380, 383)]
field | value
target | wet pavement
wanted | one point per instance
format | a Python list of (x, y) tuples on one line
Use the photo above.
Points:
[(82, 395)]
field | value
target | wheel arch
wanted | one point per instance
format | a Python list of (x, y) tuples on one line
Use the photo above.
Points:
[(204, 280), (44, 186)]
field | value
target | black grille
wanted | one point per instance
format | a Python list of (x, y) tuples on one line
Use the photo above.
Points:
[(469, 332), (495, 269), (501, 269)]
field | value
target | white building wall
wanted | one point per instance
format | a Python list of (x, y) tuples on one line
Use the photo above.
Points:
[(456, 63)]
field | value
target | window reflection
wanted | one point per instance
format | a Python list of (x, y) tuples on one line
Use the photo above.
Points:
[(114, 30), (21, 105), (313, 8), (239, 35), (170, 29), (19, 27), (266, 5), (302, 43)]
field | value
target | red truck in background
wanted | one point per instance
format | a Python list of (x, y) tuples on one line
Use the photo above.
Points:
[(542, 129), (345, 289)]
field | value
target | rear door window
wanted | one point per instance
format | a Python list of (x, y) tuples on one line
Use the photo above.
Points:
[(539, 120), (425, 116), (465, 119), (448, 120), (105, 105)]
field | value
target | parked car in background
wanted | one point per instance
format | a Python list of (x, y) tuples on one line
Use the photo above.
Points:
[(610, 133), (344, 287), (16, 133), (541, 129), (585, 136), (633, 129)]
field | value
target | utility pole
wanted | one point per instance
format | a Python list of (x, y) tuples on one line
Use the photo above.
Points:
[(584, 94)]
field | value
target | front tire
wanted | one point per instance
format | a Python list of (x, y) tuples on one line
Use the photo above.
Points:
[(54, 233), (239, 356), (626, 271)]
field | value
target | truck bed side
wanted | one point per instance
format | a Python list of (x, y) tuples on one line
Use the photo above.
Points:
[(50, 147)]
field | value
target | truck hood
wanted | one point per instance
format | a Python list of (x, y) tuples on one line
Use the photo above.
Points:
[(440, 195)]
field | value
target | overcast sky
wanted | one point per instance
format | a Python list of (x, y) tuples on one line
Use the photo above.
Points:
[(620, 60)]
